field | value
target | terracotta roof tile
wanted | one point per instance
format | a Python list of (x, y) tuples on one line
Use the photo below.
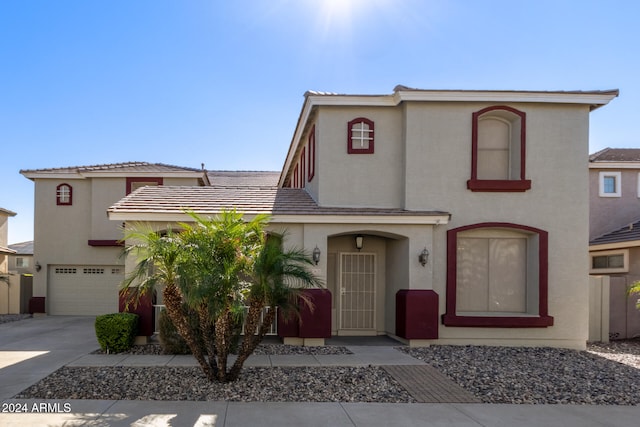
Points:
[(243, 178), (616, 155), (248, 200), (117, 167), (628, 233), (6, 251), (23, 248)]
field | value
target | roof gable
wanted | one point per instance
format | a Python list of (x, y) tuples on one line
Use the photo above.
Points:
[(115, 169), (616, 155)]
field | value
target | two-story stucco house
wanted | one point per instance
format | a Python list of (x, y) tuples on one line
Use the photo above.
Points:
[(614, 236), (5, 251), (436, 216), (77, 249)]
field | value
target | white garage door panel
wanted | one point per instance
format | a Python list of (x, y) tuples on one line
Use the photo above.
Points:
[(84, 289)]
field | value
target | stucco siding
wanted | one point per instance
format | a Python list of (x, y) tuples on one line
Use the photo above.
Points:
[(367, 180), (557, 150)]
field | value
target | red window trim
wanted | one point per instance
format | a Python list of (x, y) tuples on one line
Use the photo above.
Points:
[(311, 166), (130, 181), (107, 243), (475, 184), (350, 149), (303, 162), (58, 202), (450, 318)]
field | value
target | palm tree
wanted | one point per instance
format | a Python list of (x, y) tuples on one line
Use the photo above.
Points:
[(159, 258), (215, 267), (278, 280)]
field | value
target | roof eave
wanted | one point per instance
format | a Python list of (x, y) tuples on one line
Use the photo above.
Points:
[(174, 216)]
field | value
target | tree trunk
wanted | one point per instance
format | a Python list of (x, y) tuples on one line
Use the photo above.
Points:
[(223, 342), (173, 303), (207, 331), (252, 338)]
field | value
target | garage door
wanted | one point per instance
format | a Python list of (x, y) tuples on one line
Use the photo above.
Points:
[(84, 290)]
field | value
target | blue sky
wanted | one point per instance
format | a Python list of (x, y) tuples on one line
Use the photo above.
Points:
[(222, 82)]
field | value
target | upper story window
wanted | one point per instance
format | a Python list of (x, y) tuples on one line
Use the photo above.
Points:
[(610, 184), (64, 195), (360, 139), (311, 165), (498, 150), (134, 183), (497, 276)]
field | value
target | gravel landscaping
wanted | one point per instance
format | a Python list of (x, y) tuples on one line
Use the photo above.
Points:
[(605, 374), (286, 384), (263, 349), (6, 318)]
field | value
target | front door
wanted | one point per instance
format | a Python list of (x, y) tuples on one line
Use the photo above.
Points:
[(357, 287)]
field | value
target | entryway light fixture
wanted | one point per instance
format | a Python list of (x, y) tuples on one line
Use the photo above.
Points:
[(316, 255), (38, 266), (424, 256), (359, 241)]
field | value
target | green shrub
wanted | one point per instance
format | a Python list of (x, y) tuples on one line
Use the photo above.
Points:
[(116, 332)]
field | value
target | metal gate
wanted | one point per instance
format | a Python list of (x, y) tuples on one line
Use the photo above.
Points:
[(357, 291)]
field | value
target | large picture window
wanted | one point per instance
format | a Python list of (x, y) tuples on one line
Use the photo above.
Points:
[(498, 150), (497, 276)]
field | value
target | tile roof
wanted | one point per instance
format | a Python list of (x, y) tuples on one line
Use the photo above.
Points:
[(248, 199), (6, 251), (116, 167), (23, 248), (7, 212), (243, 178), (628, 233), (616, 155)]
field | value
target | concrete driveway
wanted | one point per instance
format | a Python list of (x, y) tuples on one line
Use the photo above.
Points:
[(31, 349)]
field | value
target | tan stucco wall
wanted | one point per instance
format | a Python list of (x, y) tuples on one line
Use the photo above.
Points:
[(437, 155), (372, 180), (61, 233)]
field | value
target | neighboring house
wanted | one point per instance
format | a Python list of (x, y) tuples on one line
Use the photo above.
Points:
[(614, 238), (77, 251), (450, 217), (21, 262), (5, 251), (6, 281)]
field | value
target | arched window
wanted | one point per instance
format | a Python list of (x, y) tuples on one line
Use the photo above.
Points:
[(497, 276), (360, 138), (64, 195), (498, 150)]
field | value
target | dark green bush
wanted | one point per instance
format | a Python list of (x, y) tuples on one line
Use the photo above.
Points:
[(116, 332)]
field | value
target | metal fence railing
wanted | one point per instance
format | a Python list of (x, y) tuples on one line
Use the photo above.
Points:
[(157, 308)]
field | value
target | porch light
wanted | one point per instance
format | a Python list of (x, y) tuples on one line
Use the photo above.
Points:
[(38, 266), (316, 255), (359, 241), (423, 257)]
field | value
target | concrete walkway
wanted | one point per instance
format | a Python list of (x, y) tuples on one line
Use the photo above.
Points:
[(33, 348)]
